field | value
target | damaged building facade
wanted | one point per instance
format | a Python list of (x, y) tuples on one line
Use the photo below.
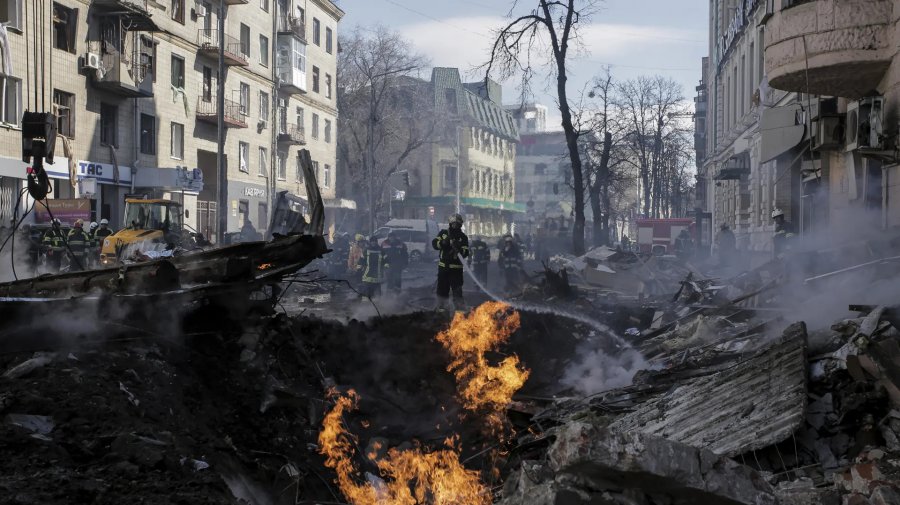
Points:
[(472, 159), (800, 116), (134, 87)]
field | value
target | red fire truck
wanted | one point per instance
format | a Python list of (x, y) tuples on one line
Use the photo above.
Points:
[(657, 236)]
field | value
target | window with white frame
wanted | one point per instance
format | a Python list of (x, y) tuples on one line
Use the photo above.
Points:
[(245, 98), (65, 27), (326, 176), (282, 166), (317, 32), (176, 146), (316, 170), (300, 117), (315, 79), (264, 5), (263, 160), (263, 106), (264, 50), (64, 103), (328, 43), (12, 102), (245, 40), (11, 13), (328, 131), (244, 157), (178, 11)]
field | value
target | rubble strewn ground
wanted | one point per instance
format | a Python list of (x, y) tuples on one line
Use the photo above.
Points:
[(734, 402)]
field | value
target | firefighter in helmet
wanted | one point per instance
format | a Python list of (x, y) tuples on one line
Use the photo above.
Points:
[(784, 232), (54, 245), (453, 247)]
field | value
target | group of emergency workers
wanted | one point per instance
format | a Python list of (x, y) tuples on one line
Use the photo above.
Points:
[(80, 246), (369, 263)]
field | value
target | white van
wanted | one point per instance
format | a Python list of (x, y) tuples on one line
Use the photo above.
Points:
[(416, 233)]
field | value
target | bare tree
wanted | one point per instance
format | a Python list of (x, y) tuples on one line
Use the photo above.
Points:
[(553, 22), (651, 107), (383, 119)]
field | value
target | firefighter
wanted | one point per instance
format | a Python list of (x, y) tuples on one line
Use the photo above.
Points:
[(480, 258), (725, 242), (684, 245), (93, 250), (54, 244), (784, 232), (626, 243), (78, 241), (451, 244), (510, 261), (103, 231), (354, 255), (396, 259), (339, 255), (371, 264)]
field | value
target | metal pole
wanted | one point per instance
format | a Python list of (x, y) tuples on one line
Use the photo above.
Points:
[(221, 169), (371, 174), (458, 169)]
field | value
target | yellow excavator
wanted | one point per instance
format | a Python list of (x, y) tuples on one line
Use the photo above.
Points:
[(150, 225)]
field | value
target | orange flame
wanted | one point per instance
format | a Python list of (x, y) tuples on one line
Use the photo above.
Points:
[(482, 387), (265, 266), (410, 477)]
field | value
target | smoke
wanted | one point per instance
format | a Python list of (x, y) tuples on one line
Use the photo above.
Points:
[(597, 370)]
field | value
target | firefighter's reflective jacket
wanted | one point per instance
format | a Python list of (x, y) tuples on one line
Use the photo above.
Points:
[(452, 244), (372, 263)]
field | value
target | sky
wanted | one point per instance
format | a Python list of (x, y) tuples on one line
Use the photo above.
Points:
[(633, 37)]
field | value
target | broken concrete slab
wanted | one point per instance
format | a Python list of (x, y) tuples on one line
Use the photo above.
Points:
[(861, 478), (616, 460), (754, 404)]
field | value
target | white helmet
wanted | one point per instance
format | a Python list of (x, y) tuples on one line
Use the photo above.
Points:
[(104, 221), (94, 225), (777, 213)]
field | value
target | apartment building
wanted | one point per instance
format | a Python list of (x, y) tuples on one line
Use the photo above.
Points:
[(134, 85), (843, 56), (529, 117), (744, 171), (472, 160)]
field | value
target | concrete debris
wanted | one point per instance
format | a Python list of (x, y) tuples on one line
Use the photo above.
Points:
[(40, 359), (611, 466), (751, 405)]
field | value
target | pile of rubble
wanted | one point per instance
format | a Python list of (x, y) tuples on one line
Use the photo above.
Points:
[(730, 414)]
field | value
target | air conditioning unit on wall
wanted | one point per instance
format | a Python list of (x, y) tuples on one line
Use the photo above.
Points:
[(865, 124), (829, 132), (90, 61)]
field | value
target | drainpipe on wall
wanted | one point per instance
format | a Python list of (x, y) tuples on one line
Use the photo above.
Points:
[(137, 139), (273, 118)]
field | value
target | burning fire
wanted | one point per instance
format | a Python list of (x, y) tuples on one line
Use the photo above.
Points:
[(483, 387), (410, 477), (265, 266)]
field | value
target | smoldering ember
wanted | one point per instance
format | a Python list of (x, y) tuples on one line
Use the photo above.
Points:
[(446, 256)]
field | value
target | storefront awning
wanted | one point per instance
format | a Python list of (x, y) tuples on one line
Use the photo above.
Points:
[(340, 203), (782, 128), (446, 201)]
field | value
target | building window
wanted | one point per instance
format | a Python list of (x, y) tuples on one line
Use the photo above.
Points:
[(263, 50), (301, 15), (148, 57), (282, 166), (177, 71), (243, 211), (315, 126), (12, 103), (262, 214), (148, 134), (328, 43), (299, 168), (176, 147), (449, 177), (540, 168), (264, 5), (263, 161), (178, 10), (263, 106), (245, 98), (65, 23), (300, 118), (11, 13), (326, 176), (315, 78), (327, 86), (207, 84), (316, 170), (245, 41), (328, 131), (450, 99), (244, 157), (64, 103), (317, 32), (109, 125), (207, 16)]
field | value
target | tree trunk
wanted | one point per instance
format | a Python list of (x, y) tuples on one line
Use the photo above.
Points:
[(574, 155)]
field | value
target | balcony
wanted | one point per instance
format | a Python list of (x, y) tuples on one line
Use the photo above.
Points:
[(290, 64), (292, 25), (208, 40), (291, 135), (118, 75), (206, 112), (134, 13), (237, 2), (847, 46)]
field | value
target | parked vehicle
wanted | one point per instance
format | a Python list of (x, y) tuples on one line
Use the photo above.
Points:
[(657, 236), (416, 233)]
